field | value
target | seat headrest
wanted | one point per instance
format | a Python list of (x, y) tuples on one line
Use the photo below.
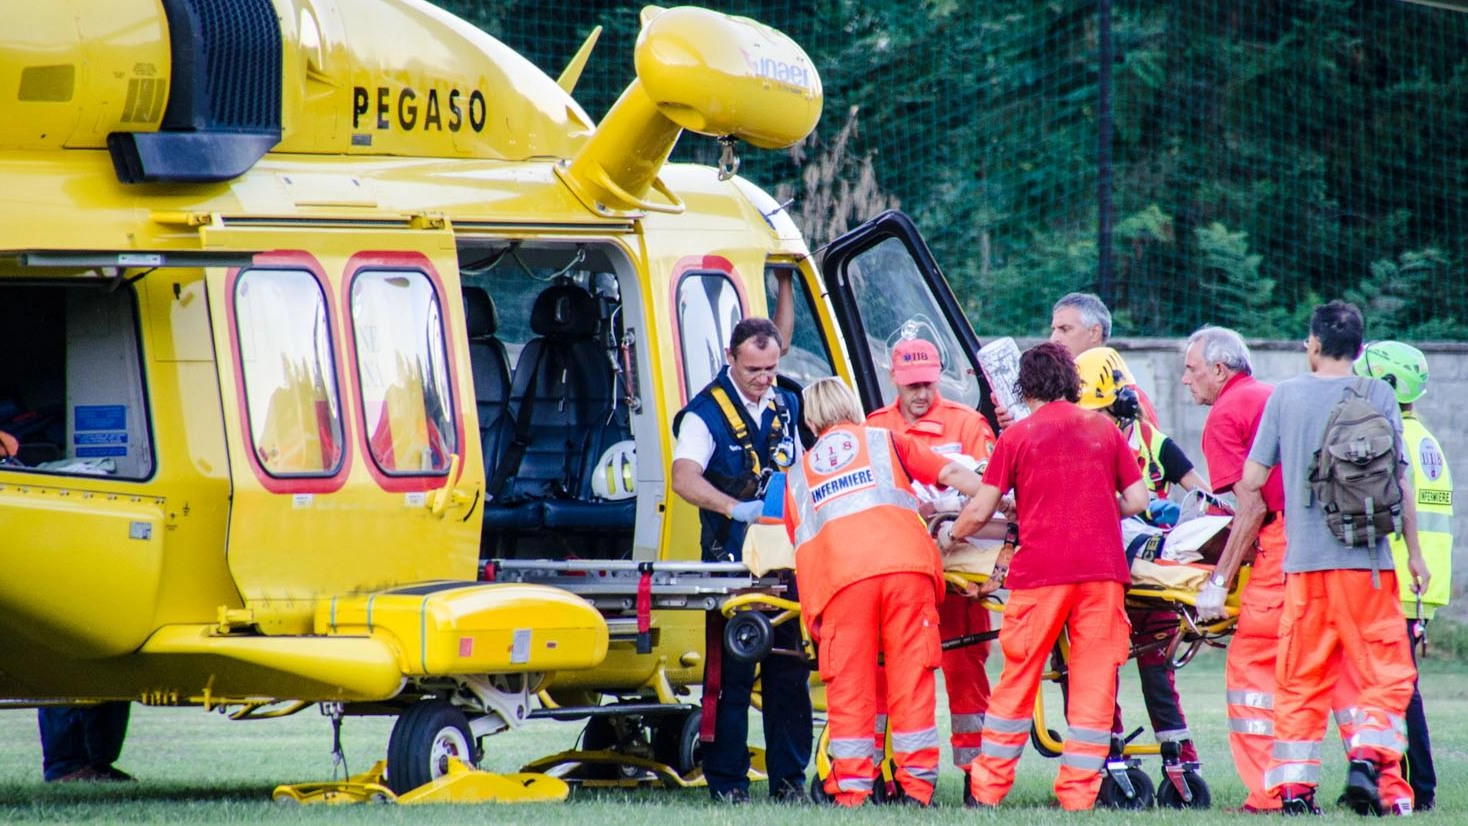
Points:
[(480, 315), (564, 310)]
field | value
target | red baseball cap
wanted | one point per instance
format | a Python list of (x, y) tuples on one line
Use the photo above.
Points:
[(915, 361)]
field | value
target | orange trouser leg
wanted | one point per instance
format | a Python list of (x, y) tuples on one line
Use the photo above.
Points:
[(910, 643), (1345, 703), (847, 654), (1333, 621), (1032, 622), (964, 675), (1100, 639), (1249, 680)]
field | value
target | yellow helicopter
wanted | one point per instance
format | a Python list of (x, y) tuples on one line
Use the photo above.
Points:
[(320, 313)]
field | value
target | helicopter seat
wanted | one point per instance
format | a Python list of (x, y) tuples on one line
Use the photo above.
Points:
[(491, 368), (560, 398)]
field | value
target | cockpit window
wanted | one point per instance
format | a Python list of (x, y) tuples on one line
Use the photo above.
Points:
[(397, 325), (896, 303), (289, 373), (809, 356)]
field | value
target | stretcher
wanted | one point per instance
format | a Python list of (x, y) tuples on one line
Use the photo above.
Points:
[(1157, 585), (655, 741)]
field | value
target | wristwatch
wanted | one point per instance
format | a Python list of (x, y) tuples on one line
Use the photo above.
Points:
[(1218, 581)]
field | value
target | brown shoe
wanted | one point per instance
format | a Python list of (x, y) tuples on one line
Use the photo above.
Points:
[(112, 774), (85, 774)]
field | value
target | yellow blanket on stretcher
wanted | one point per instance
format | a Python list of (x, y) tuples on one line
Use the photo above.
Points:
[(767, 548)]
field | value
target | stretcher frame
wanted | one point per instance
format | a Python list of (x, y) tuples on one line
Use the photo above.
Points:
[(626, 591)]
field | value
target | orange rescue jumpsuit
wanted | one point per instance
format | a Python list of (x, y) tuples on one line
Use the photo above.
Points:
[(1065, 465), (869, 578), (947, 428), (1250, 676)]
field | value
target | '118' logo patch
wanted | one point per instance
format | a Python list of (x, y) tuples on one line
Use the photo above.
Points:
[(1430, 459)]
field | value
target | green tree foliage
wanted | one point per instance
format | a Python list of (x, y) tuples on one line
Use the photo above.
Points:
[(1266, 153)]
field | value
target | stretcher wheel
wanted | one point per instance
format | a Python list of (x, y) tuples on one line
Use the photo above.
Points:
[(1169, 797), (1112, 796), (887, 792), (1039, 743), (818, 793), (675, 742), (423, 739), (749, 636)]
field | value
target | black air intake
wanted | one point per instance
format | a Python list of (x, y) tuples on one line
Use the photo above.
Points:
[(223, 110)]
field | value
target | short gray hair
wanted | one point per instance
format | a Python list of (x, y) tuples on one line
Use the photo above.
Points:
[(1091, 309), (1223, 346)]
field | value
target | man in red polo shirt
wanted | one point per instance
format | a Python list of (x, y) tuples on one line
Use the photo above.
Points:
[(947, 428), (1066, 466), (1218, 372)]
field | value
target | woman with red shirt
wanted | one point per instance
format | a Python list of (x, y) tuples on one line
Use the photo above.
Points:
[(1067, 467)]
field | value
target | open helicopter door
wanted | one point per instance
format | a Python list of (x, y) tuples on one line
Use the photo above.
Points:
[(885, 286)]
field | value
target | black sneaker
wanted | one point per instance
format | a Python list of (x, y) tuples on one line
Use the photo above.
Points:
[(968, 791), (788, 793), (114, 775), (1299, 804), (734, 797), (1361, 794)]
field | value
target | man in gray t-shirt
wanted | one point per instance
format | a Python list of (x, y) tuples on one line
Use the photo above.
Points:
[(1341, 639), (1290, 431)]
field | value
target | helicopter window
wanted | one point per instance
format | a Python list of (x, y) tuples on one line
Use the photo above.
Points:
[(708, 308), (289, 373), (402, 362), (897, 303), (809, 358), (72, 395)]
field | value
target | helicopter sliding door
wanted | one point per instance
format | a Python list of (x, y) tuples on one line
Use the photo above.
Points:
[(885, 286), (346, 391)]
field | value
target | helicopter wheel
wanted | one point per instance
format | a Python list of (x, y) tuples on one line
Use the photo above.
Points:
[(425, 736), (675, 742)]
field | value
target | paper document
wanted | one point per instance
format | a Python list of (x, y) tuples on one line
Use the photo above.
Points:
[(999, 359)]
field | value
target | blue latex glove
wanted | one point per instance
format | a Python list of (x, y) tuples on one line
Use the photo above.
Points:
[(748, 511), (1163, 512)]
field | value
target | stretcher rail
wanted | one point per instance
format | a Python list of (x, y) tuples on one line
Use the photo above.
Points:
[(613, 586)]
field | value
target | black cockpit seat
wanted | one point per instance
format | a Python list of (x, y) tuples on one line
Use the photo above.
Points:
[(562, 403), (491, 368)]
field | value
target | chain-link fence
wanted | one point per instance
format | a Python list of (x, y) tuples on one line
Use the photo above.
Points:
[(1249, 159)]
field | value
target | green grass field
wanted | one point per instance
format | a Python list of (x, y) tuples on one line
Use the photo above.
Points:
[(198, 767)]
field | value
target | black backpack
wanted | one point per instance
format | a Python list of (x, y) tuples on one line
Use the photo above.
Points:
[(1356, 473)]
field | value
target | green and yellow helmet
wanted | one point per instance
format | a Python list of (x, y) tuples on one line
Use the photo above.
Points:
[(1400, 365)]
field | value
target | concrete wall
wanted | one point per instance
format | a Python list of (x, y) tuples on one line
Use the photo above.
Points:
[(1157, 365)]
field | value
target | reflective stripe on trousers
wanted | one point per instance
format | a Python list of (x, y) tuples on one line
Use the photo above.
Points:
[(852, 749), (1100, 634)]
